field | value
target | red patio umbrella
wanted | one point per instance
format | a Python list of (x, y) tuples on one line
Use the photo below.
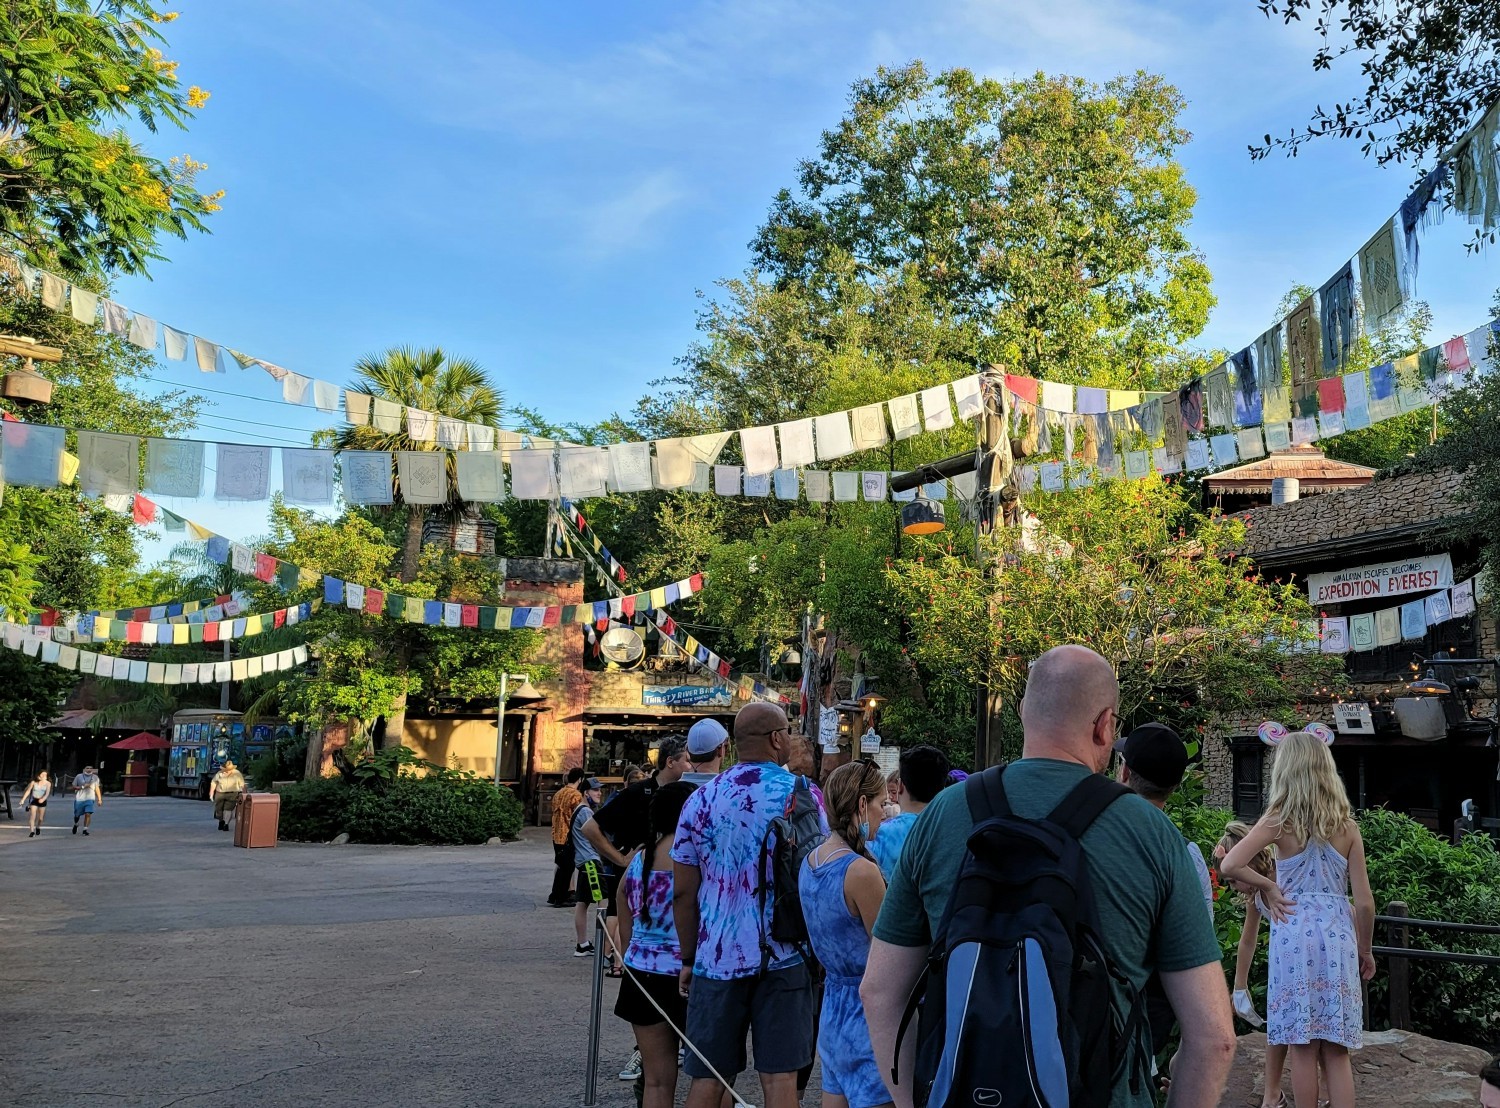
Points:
[(142, 740)]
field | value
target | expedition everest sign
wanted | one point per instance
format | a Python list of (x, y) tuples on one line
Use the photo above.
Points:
[(1419, 574)]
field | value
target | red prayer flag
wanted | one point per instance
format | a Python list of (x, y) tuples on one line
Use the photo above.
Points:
[(141, 614), (723, 668), (668, 626), (1024, 387), (1331, 394), (49, 617), (133, 632), (551, 614), (1456, 354), (279, 618), (695, 582), (627, 605), (265, 567), (374, 601), (469, 616), (211, 631), (143, 510)]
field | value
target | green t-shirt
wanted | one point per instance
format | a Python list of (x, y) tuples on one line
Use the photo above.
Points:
[(1149, 900)]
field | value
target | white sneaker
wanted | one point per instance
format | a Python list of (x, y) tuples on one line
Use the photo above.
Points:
[(632, 1068), (583, 950)]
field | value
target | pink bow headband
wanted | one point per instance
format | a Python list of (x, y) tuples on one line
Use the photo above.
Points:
[(1272, 733)]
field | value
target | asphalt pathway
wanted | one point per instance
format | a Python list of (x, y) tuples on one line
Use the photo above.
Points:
[(154, 964)]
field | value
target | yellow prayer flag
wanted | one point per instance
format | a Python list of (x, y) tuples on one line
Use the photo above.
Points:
[(101, 628), (198, 531), (1120, 399), (67, 468), (659, 598), (413, 611), (254, 625), (181, 634)]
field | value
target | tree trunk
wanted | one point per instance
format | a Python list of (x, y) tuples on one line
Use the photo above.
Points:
[(411, 550), (395, 723)]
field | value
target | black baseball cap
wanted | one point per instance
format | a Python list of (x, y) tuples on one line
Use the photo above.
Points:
[(1156, 752)]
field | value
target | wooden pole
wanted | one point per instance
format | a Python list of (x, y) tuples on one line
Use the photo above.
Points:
[(1400, 971)]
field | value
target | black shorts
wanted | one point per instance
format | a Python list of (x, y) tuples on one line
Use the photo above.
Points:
[(35, 804), (775, 1008), (636, 986), (607, 880)]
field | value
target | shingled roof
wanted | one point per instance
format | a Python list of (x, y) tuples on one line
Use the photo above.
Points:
[(1313, 469)]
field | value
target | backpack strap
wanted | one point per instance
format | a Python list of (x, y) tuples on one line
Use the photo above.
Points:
[(985, 793), (1085, 803)]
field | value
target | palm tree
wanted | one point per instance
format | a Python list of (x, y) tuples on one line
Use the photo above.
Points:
[(433, 382)]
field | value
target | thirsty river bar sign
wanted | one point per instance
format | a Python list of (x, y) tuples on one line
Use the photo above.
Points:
[(686, 696), (1420, 574)]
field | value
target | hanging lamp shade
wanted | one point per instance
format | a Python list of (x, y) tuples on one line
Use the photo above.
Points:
[(922, 517)]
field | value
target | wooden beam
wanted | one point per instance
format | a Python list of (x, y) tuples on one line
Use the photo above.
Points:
[(20, 347)]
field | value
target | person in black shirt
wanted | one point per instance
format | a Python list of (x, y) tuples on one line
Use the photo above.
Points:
[(623, 825)]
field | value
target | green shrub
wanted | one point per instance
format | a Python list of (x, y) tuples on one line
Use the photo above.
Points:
[(446, 807), (262, 771), (314, 811)]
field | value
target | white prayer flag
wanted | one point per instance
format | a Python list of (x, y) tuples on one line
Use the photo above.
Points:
[(32, 454), (173, 675), (453, 615), (706, 448), (815, 484), (104, 665), (385, 415), (107, 463), (137, 671), (1056, 397), (325, 396), (143, 332), (846, 486), (366, 476), (294, 388), (796, 443), (1051, 476), (243, 472), (727, 480), (873, 485), (1356, 390), (421, 426), (1278, 437), (630, 466), (175, 343), (207, 354), (906, 421), (50, 651), (85, 304), (357, 407), (1304, 430), (1462, 598), (834, 437), (223, 671), (1225, 449), (967, 394), (149, 634), (174, 467), (675, 463), (1249, 444), (306, 476), (54, 291), (354, 600), (757, 484), (423, 475), (88, 661), (481, 477), (1330, 424), (869, 427), (758, 445), (583, 471), (936, 409), (1197, 454), (1137, 465), (116, 318), (299, 654), (702, 477), (964, 485), (451, 433), (481, 437), (189, 673), (532, 476)]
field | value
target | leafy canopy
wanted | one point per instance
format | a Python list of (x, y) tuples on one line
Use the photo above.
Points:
[(75, 189)]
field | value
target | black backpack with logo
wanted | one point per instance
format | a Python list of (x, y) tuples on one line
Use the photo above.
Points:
[(790, 838), (1016, 1007)]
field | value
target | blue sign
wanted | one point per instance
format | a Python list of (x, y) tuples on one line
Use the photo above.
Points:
[(686, 696)]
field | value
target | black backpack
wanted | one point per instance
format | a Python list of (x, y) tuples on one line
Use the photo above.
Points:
[(1018, 1009), (790, 838)]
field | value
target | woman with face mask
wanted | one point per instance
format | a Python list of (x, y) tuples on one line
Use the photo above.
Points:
[(841, 890)]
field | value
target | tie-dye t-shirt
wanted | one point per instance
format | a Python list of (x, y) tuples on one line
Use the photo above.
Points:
[(653, 936), (721, 831), (888, 841)]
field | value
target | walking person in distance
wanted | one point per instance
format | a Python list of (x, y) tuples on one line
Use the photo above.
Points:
[(225, 790), (565, 804), (87, 798), (38, 792)]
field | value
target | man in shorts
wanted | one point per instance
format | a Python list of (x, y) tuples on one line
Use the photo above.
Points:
[(87, 796), (589, 866), (736, 977)]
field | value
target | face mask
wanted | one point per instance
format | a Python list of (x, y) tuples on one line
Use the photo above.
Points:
[(864, 829)]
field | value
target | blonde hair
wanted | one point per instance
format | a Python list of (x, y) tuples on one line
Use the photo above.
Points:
[(1307, 795), (1264, 862)]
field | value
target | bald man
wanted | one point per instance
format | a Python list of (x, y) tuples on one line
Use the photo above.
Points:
[(736, 977), (1150, 907)]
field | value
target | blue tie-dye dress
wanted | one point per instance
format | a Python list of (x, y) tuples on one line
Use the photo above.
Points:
[(842, 945)]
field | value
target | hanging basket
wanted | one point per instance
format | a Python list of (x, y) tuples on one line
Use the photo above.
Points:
[(26, 387)]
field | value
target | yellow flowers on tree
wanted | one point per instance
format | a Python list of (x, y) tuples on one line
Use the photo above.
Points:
[(75, 192)]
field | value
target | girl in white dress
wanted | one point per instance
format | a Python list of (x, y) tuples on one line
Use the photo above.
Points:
[(1319, 947)]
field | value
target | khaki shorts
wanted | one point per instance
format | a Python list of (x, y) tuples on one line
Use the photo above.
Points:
[(224, 803)]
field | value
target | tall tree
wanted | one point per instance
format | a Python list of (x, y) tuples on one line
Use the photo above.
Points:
[(75, 190), (1430, 68), (1048, 213), (432, 382)]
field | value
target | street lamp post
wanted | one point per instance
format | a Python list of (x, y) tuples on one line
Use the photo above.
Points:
[(505, 680)]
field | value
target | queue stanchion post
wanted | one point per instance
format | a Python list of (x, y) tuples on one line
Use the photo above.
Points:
[(596, 1006)]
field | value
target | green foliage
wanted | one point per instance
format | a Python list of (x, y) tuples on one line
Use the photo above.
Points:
[(443, 807), (33, 694), (74, 188), (262, 771), (1047, 215), (1430, 69)]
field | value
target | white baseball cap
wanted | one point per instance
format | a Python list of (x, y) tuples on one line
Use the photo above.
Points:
[(706, 736)]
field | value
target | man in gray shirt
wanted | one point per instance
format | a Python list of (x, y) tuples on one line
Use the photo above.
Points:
[(86, 797)]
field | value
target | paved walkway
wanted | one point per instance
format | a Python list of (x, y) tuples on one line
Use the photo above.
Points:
[(152, 963)]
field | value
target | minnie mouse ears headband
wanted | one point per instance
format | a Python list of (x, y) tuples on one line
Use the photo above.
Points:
[(1272, 733)]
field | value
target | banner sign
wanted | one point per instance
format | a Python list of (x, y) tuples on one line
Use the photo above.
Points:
[(686, 696), (1419, 574)]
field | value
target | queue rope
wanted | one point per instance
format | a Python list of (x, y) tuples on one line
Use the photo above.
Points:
[(619, 956)]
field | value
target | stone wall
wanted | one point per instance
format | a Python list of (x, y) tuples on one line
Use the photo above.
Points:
[(1380, 506)]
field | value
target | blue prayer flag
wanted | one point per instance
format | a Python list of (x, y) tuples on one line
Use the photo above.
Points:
[(432, 612), (218, 550), (333, 590)]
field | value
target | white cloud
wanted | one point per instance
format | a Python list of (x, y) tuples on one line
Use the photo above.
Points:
[(626, 221)]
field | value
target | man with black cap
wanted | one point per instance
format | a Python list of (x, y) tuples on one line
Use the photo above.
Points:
[(1153, 761)]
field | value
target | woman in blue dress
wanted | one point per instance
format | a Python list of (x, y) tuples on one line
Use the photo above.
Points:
[(841, 891)]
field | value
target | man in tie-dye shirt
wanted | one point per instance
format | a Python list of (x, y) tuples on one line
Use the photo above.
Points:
[(721, 923)]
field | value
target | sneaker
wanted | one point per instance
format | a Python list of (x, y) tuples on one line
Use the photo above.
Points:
[(223, 826), (75, 828), (85, 830), (583, 950), (632, 1068)]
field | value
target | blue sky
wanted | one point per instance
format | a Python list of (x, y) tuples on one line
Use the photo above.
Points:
[(546, 188)]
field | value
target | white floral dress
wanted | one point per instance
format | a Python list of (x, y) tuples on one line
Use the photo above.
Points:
[(1314, 959)]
